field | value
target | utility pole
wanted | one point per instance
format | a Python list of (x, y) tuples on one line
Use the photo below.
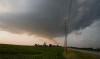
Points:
[(67, 21)]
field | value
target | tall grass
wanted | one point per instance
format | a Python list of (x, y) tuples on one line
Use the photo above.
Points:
[(28, 57)]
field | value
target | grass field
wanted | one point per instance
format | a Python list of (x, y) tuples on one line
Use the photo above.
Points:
[(78, 55), (30, 52)]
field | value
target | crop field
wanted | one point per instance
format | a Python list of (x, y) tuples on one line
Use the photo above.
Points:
[(30, 52)]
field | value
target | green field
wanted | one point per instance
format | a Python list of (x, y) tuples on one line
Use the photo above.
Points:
[(79, 55), (30, 52)]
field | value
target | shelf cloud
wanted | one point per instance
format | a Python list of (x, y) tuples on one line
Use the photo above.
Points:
[(46, 17)]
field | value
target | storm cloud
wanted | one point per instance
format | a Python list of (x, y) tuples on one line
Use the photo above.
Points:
[(46, 17), (88, 38)]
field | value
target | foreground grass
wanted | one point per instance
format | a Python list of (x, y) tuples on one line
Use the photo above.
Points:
[(78, 55), (30, 52)]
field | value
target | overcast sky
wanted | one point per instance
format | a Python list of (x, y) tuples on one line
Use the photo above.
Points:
[(45, 18)]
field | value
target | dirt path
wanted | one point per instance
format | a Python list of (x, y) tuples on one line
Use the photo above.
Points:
[(90, 52)]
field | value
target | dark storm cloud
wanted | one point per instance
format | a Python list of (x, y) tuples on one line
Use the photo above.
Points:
[(40, 17), (85, 24), (46, 17), (89, 37), (85, 14)]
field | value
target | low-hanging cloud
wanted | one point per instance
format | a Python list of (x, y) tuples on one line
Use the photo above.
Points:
[(89, 37), (46, 17)]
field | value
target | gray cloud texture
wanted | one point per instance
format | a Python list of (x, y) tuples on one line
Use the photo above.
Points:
[(89, 37), (46, 17)]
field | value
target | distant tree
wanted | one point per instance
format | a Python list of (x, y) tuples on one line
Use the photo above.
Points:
[(36, 45), (58, 45), (50, 45), (44, 45)]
